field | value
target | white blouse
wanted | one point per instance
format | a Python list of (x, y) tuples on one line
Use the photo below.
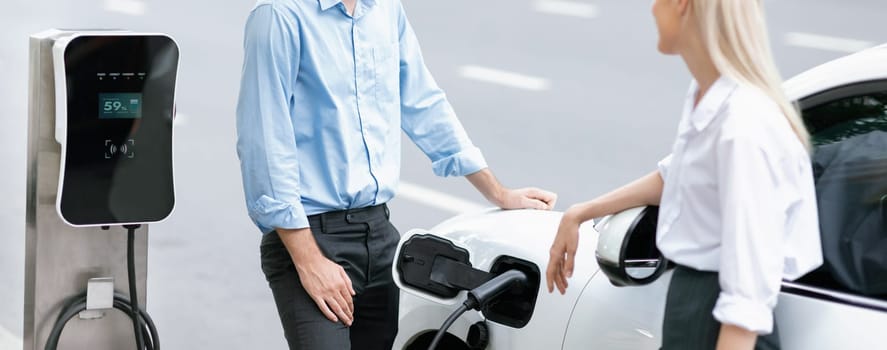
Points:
[(739, 199)]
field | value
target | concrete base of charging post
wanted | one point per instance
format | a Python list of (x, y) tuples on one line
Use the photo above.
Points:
[(60, 260)]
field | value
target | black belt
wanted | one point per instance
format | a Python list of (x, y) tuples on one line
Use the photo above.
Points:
[(352, 216)]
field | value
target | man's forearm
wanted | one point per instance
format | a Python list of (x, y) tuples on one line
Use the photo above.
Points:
[(300, 244), (487, 184)]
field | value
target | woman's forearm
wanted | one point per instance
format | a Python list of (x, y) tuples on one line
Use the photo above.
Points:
[(736, 338), (644, 191)]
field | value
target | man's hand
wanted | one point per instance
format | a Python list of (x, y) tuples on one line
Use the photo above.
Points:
[(527, 198), (330, 287), (505, 198), (326, 282), (563, 253)]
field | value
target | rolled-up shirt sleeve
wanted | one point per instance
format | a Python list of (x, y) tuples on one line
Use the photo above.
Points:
[(751, 191), (663, 166), (266, 143), (427, 117)]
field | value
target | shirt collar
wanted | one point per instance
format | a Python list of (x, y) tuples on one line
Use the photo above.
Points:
[(711, 103), (327, 4)]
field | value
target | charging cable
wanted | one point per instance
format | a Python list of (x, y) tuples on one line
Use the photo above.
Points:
[(133, 290), (143, 325), (480, 297)]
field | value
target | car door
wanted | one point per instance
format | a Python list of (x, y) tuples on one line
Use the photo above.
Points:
[(618, 318), (838, 306), (844, 103)]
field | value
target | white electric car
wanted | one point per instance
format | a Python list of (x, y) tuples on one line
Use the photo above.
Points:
[(842, 305)]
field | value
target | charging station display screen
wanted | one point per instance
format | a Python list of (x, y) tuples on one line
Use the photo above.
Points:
[(118, 151), (120, 105)]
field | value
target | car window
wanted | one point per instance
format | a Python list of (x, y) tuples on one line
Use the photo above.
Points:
[(846, 118), (849, 136)]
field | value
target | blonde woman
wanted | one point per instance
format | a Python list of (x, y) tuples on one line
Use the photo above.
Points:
[(736, 195)]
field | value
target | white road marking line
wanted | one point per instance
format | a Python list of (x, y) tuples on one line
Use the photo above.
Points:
[(437, 199), (644, 332), (510, 79), (127, 7), (566, 8), (9, 340), (824, 42)]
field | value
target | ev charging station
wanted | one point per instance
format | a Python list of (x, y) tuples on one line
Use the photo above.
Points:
[(101, 108)]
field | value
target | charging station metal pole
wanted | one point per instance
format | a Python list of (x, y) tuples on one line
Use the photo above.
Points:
[(59, 258)]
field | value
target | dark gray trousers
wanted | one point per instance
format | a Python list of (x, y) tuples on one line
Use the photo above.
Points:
[(689, 323), (363, 242)]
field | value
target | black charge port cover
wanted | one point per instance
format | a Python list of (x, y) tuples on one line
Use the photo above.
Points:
[(417, 257)]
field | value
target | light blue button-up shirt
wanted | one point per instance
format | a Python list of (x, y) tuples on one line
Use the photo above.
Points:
[(323, 98)]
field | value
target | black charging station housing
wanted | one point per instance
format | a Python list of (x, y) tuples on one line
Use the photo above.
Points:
[(118, 104)]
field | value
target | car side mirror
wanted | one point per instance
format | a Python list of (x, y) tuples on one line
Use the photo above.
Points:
[(626, 250)]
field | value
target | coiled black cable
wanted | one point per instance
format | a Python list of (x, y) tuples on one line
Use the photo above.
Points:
[(78, 304), (143, 326)]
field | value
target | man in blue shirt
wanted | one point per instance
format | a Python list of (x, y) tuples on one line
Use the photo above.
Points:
[(327, 87)]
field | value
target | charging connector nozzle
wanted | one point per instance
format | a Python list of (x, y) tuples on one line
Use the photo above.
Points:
[(480, 296), (483, 294)]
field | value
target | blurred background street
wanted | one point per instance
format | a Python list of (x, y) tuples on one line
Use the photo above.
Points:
[(570, 96)]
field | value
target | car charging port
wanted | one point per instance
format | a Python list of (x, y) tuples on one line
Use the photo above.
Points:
[(435, 266), (515, 307), (481, 296), (431, 264)]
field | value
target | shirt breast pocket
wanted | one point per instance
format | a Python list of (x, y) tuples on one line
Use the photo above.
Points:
[(386, 59)]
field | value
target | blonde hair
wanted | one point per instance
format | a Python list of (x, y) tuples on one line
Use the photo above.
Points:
[(735, 34)]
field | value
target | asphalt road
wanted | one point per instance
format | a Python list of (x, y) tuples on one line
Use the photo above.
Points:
[(569, 96)]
